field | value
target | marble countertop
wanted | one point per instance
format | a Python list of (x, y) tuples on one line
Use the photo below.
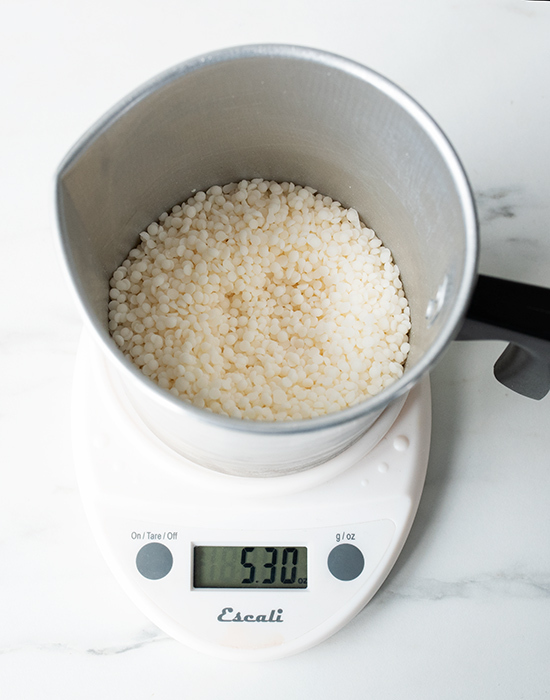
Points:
[(465, 613)]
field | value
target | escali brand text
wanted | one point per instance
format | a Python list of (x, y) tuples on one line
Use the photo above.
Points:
[(227, 615)]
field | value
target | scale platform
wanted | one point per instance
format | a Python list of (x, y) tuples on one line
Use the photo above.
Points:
[(235, 567)]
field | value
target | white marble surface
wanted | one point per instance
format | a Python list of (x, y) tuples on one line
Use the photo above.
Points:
[(466, 611)]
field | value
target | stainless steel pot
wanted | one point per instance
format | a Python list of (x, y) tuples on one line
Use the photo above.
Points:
[(281, 113)]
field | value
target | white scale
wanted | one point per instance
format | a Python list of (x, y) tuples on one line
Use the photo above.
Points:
[(237, 567)]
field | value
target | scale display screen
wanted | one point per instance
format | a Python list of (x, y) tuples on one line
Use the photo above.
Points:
[(249, 567)]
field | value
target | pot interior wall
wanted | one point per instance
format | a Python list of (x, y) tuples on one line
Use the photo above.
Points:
[(284, 120)]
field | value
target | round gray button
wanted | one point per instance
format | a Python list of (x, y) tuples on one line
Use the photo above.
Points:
[(154, 560), (346, 562)]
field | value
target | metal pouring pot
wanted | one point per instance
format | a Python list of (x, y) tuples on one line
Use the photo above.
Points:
[(295, 114)]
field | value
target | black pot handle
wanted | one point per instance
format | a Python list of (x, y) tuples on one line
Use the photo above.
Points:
[(519, 313)]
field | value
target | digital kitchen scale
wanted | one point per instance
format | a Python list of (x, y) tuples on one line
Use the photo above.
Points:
[(238, 567)]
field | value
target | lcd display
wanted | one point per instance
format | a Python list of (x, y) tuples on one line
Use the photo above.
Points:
[(249, 567)]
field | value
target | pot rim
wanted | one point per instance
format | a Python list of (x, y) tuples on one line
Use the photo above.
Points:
[(332, 61)]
